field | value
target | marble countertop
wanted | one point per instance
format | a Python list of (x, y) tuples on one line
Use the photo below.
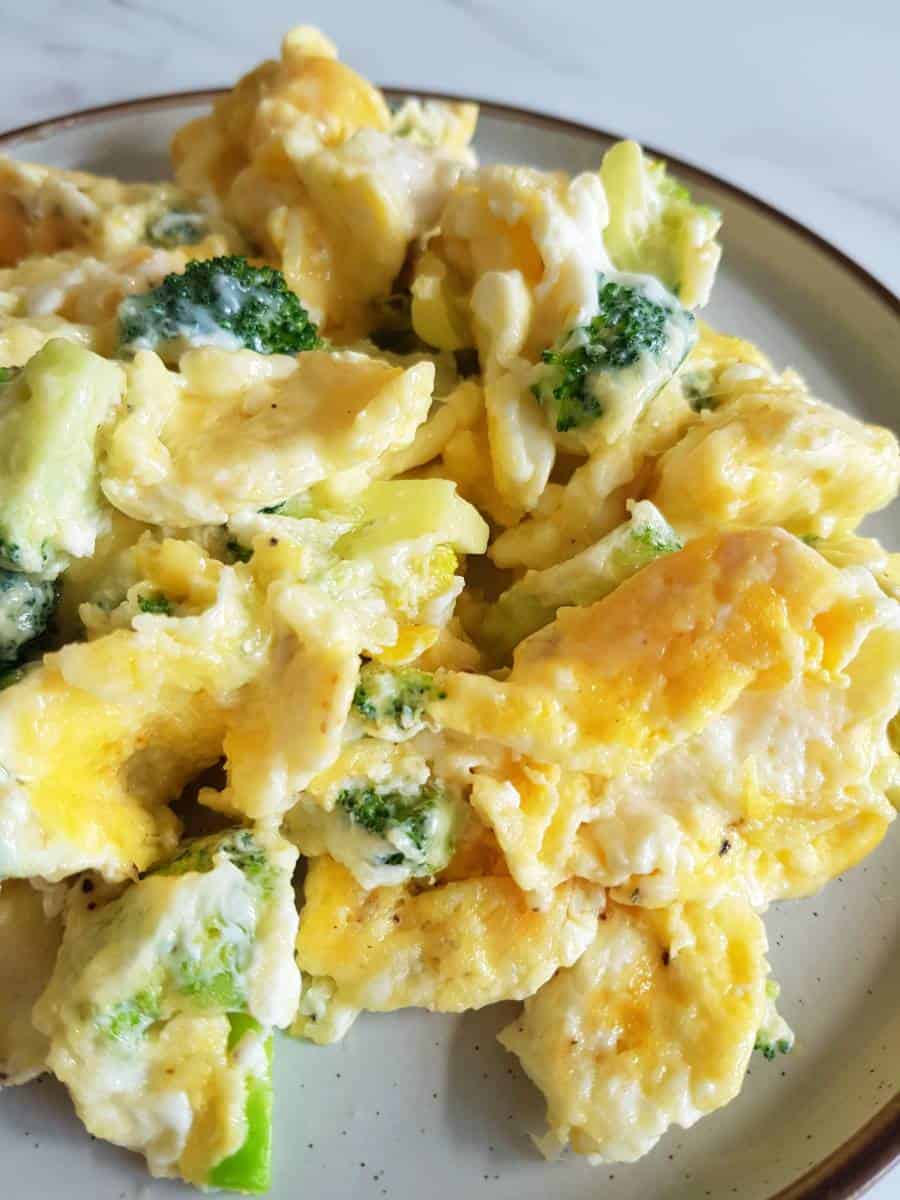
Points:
[(790, 100), (794, 101)]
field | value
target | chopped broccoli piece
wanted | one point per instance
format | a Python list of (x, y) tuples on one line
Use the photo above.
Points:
[(127, 1021), (51, 508), (697, 386), (7, 374), (774, 1035), (177, 228), (392, 703), (182, 976), (156, 602), (629, 350), (413, 830), (239, 846), (532, 602), (26, 607), (249, 1169), (222, 302), (770, 1049), (654, 226)]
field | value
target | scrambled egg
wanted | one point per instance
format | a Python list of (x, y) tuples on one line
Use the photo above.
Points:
[(460, 944), (162, 1001), (652, 1027), (437, 544), (231, 431), (30, 934)]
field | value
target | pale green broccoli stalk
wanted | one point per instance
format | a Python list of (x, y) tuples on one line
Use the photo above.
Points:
[(27, 604), (222, 302), (177, 228), (197, 953), (774, 1035), (655, 228), (392, 703), (616, 363), (533, 601), (249, 1169), (51, 508)]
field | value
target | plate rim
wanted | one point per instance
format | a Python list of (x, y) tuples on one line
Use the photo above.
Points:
[(854, 1166)]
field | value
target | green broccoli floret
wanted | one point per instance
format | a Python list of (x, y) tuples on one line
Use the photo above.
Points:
[(198, 943), (26, 608), (51, 508), (392, 703), (774, 1035), (239, 846), (626, 353), (532, 602), (412, 830), (177, 228), (697, 386), (127, 1021), (7, 374), (156, 603), (222, 302), (770, 1049)]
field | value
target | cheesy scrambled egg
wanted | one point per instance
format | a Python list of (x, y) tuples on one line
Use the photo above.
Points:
[(364, 507)]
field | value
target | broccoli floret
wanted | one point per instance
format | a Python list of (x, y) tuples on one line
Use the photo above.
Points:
[(7, 374), (392, 703), (413, 830), (239, 846), (26, 607), (195, 947), (697, 386), (532, 602), (222, 302), (624, 355), (654, 226), (51, 508), (177, 228), (774, 1035), (127, 1021), (156, 603)]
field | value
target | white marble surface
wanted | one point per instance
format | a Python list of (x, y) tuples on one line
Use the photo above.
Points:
[(795, 100)]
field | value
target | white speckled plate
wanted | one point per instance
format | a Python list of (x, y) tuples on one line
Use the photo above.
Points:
[(411, 1104)]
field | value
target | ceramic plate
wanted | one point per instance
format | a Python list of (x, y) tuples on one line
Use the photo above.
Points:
[(412, 1104)]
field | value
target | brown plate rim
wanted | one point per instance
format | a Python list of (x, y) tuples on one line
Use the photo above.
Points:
[(854, 1166)]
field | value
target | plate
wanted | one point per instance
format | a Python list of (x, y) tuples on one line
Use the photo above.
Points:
[(410, 1098)]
